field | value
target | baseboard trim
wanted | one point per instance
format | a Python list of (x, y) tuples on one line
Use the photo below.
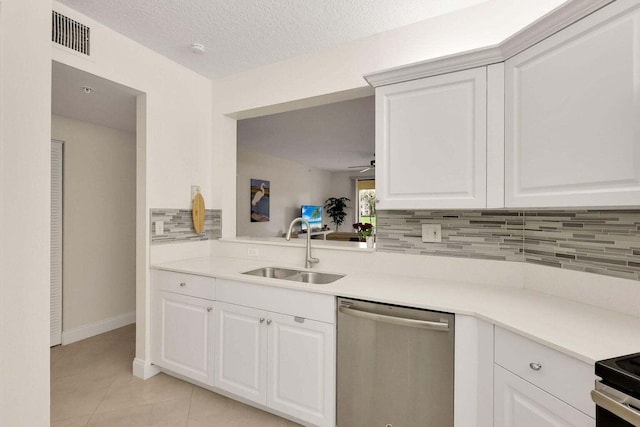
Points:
[(91, 329), (143, 369)]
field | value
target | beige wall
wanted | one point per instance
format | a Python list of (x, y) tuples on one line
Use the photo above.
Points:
[(292, 185), (25, 186), (173, 141), (99, 222)]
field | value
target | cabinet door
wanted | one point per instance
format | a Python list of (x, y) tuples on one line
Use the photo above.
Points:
[(241, 351), (518, 403), (431, 142), (302, 368), (572, 115), (183, 335)]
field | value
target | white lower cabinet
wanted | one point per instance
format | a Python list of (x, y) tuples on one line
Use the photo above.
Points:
[(243, 344), (241, 352), (537, 386), (301, 368), (284, 362), (518, 403), (183, 335)]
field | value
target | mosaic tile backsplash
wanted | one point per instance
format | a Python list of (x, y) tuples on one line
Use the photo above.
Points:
[(178, 225), (596, 241)]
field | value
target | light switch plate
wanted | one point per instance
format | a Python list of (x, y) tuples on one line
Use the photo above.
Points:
[(159, 228), (431, 233)]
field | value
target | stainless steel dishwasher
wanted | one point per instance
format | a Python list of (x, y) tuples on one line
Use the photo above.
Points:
[(395, 366)]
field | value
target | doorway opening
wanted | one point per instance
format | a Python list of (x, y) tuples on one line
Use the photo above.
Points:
[(366, 199), (97, 120)]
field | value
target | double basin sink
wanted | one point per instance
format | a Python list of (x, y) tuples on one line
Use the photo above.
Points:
[(301, 276)]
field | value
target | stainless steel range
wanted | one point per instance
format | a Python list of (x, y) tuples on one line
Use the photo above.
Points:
[(617, 395)]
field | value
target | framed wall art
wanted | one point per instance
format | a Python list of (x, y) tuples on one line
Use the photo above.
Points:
[(260, 195)]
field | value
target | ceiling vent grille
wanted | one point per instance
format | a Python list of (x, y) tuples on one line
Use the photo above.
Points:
[(70, 33)]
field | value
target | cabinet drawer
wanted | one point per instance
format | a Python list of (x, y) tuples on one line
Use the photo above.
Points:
[(279, 300), (566, 378), (518, 403), (184, 284)]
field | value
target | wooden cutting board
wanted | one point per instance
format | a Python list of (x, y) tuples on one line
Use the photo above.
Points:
[(198, 213)]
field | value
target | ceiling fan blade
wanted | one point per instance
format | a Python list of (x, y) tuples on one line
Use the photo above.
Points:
[(371, 165)]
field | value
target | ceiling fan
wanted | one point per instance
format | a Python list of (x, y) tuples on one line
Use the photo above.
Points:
[(365, 168)]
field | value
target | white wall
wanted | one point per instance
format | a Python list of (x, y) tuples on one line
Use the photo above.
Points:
[(25, 186), (173, 135), (292, 185), (340, 69), (99, 226)]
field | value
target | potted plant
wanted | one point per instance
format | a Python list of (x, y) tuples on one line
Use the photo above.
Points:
[(336, 209), (364, 230)]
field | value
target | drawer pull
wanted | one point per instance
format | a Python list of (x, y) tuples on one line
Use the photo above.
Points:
[(183, 284), (209, 309), (535, 366)]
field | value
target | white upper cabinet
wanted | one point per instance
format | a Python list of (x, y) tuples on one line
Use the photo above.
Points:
[(573, 115), (431, 142)]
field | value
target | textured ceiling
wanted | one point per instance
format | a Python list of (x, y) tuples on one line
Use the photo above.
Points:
[(109, 104), (331, 137), (244, 34)]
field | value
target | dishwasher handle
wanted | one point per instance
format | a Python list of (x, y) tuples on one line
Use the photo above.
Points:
[(402, 321)]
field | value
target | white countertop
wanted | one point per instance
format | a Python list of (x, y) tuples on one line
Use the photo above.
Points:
[(583, 331)]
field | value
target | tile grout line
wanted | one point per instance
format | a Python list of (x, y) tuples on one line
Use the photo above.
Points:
[(101, 400), (193, 390), (524, 235)]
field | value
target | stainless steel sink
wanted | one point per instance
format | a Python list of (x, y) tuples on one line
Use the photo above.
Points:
[(295, 275), (272, 272), (314, 277)]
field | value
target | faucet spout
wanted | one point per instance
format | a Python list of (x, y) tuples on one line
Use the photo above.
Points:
[(309, 260)]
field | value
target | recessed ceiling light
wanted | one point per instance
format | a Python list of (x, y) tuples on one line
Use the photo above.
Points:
[(197, 48), (87, 89)]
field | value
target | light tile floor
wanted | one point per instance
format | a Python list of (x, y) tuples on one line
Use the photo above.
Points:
[(92, 385)]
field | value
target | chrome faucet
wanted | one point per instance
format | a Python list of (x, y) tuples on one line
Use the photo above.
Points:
[(309, 259)]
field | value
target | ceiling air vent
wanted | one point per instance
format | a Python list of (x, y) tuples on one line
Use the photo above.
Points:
[(70, 33)]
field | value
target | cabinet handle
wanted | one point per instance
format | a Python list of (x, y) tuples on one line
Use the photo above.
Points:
[(209, 309), (535, 366), (183, 284), (268, 321), (262, 320)]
